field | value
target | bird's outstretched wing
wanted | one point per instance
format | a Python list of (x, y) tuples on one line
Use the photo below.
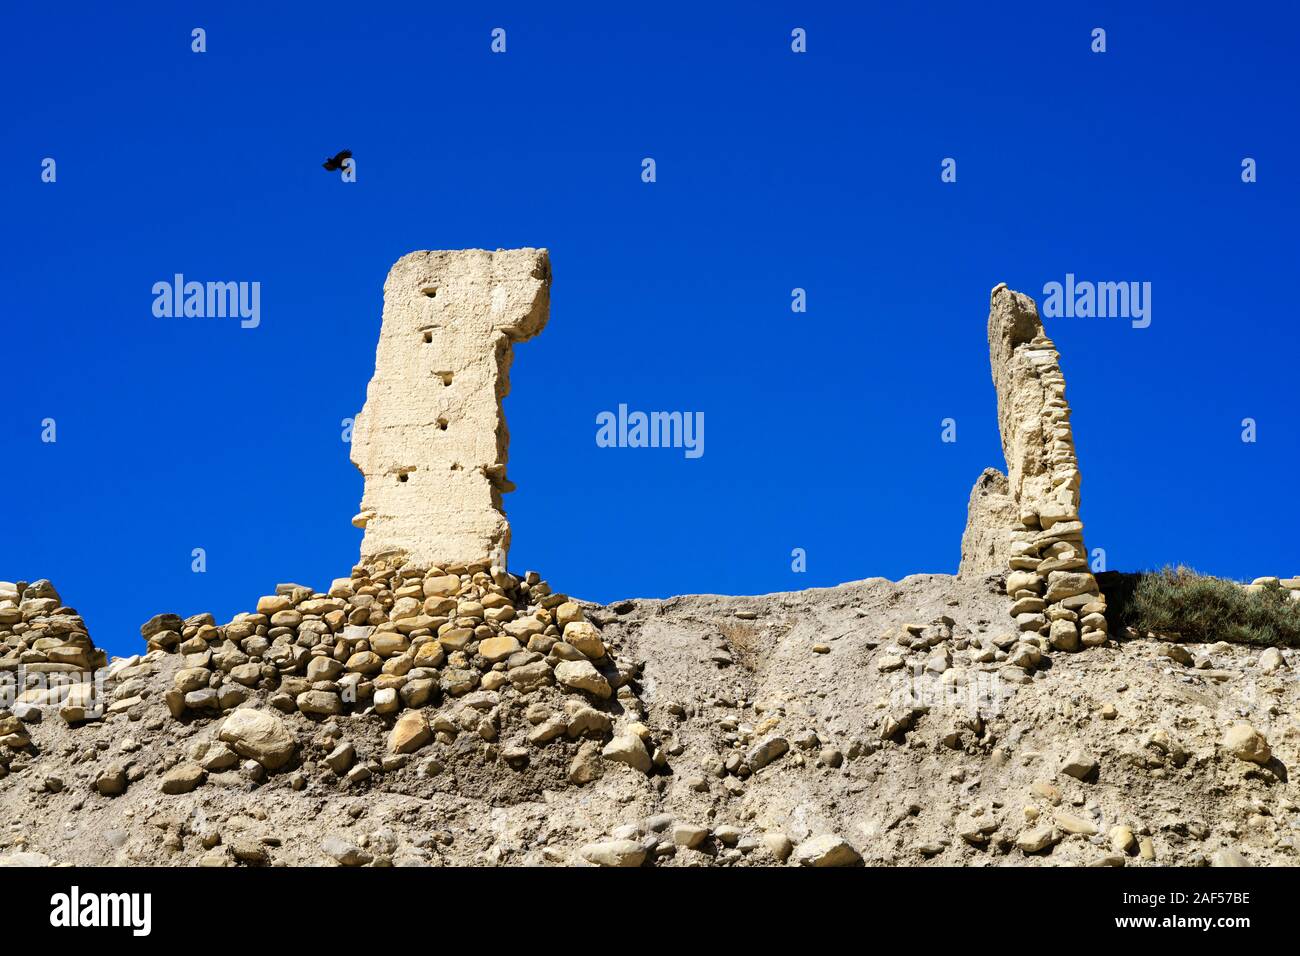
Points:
[(336, 161)]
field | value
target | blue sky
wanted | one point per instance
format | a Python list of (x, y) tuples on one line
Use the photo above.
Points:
[(775, 170)]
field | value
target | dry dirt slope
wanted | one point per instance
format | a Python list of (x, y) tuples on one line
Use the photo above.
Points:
[(841, 722)]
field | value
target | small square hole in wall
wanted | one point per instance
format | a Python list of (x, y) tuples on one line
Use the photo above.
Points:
[(429, 290), (442, 424), (428, 336), (444, 377)]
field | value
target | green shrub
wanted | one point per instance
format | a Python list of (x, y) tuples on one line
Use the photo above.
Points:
[(1202, 608)]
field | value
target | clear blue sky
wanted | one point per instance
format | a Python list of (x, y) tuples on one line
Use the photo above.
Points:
[(775, 171)]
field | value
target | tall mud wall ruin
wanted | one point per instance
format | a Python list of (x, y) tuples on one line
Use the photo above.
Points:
[(1027, 522), (432, 440)]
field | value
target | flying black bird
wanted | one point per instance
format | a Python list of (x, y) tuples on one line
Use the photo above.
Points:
[(336, 162)]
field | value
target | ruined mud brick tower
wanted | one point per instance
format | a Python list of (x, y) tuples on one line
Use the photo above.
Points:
[(432, 440), (1026, 523)]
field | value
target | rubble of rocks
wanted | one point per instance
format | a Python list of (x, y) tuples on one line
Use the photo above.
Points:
[(878, 723), (46, 654), (435, 652), (42, 635)]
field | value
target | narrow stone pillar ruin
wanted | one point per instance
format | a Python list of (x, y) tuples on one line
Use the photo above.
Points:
[(1027, 522), (432, 440)]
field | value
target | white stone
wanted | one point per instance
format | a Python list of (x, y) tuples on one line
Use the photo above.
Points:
[(827, 850), (259, 735)]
